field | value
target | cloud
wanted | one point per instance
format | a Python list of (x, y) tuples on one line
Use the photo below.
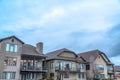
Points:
[(80, 25), (52, 16), (116, 60)]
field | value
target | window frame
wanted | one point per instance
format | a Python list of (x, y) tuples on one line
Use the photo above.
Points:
[(9, 47), (9, 75)]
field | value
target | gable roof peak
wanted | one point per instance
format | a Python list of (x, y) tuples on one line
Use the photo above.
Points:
[(13, 36)]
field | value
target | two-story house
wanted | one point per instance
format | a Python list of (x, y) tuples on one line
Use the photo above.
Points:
[(64, 64), (20, 61), (99, 66)]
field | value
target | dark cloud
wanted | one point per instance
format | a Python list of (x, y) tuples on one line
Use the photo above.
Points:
[(114, 35)]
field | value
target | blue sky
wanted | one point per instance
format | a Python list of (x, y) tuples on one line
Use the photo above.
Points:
[(79, 25)]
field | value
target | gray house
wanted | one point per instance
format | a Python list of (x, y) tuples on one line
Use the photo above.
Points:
[(20, 61), (99, 66), (64, 64)]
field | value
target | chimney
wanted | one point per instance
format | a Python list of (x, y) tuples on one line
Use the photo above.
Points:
[(39, 47)]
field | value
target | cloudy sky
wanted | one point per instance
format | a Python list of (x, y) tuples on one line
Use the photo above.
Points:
[(79, 25)]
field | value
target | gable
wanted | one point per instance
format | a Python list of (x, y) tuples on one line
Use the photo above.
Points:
[(67, 54), (100, 60), (11, 38), (81, 59)]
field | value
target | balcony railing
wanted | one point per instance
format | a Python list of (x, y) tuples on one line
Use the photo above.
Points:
[(32, 68), (110, 71), (73, 69), (100, 70)]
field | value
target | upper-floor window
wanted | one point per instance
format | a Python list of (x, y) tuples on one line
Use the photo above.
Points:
[(11, 47), (82, 66), (10, 61), (8, 75), (87, 67), (109, 68), (99, 67)]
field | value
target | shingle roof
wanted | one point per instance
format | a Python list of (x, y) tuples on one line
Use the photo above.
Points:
[(11, 37), (55, 54), (90, 56), (30, 50), (117, 68)]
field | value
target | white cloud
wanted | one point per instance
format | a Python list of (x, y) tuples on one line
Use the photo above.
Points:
[(115, 60)]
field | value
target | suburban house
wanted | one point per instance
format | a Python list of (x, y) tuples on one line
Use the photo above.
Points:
[(64, 64), (20, 61), (117, 72), (99, 66)]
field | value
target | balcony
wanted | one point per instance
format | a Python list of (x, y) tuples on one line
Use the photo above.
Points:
[(110, 71), (73, 69), (32, 69), (100, 70)]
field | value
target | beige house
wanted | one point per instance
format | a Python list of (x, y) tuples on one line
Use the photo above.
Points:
[(20, 61), (99, 66), (117, 72), (64, 64)]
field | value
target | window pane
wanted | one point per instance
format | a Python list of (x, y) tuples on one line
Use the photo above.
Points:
[(4, 75), (8, 75), (16, 48), (7, 47), (13, 75), (11, 48)]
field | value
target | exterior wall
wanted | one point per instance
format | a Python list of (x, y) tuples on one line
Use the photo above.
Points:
[(117, 75), (11, 54), (1, 62), (91, 73), (100, 60), (67, 54), (72, 75)]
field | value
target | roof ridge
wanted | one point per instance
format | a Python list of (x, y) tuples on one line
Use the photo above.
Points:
[(62, 49), (88, 51)]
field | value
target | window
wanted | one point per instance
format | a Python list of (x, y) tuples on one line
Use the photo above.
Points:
[(11, 48), (51, 64), (102, 76), (8, 75), (87, 67), (10, 61), (81, 75), (99, 67), (82, 66), (109, 68)]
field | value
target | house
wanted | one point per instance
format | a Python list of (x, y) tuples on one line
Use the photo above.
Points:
[(64, 64), (117, 72), (20, 61), (99, 66)]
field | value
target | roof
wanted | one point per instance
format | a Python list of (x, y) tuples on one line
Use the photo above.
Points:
[(117, 68), (55, 54), (30, 50), (11, 37), (90, 56)]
